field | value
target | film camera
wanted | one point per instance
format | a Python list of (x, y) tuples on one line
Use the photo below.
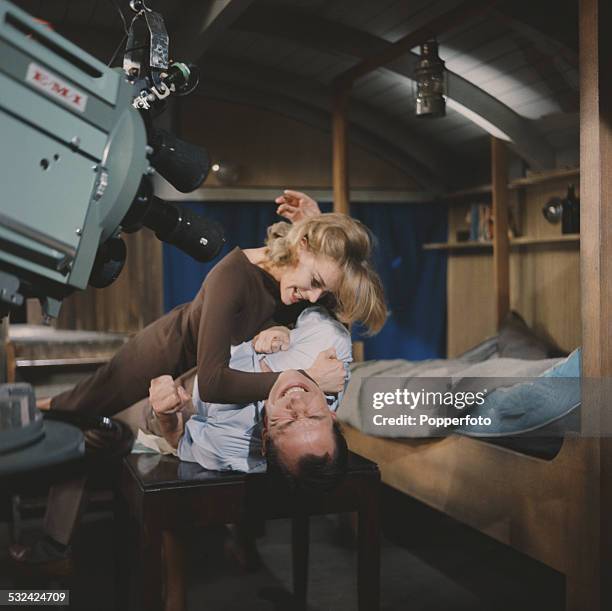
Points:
[(77, 151)]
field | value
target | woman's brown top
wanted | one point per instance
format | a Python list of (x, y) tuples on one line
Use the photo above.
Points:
[(237, 301)]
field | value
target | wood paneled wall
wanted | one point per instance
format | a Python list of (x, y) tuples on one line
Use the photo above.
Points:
[(132, 302), (470, 295), (271, 150), (544, 279)]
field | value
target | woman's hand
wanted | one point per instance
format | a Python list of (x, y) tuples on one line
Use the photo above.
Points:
[(296, 206), (166, 397), (271, 340), (328, 372)]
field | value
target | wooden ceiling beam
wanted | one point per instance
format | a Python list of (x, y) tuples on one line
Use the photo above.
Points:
[(340, 169), (439, 25)]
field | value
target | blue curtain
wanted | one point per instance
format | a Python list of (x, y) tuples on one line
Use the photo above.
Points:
[(414, 280), (245, 225)]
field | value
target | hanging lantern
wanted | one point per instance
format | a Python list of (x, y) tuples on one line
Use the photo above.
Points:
[(430, 77)]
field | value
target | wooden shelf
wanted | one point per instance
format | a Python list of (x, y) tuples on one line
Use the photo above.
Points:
[(570, 238), (536, 179), (466, 193), (518, 183), (458, 246), (573, 238)]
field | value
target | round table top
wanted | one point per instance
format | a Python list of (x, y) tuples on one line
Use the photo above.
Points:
[(60, 443)]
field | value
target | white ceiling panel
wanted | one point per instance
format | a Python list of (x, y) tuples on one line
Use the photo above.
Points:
[(474, 34), (381, 81), (469, 62), (506, 65), (537, 109), (501, 83), (522, 96)]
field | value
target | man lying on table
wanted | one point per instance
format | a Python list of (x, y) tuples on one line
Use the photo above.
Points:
[(295, 429)]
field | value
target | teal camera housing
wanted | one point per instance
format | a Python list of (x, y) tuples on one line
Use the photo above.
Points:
[(73, 152)]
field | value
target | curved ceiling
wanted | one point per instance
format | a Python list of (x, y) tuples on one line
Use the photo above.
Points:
[(484, 109), (512, 69)]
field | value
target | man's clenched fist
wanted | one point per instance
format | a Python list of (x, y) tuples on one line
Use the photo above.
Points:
[(166, 397)]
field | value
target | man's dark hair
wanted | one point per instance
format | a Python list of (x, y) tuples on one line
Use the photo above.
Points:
[(313, 473)]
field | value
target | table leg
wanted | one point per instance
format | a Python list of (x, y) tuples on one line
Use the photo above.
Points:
[(174, 568), (368, 552), (151, 567), (122, 550), (299, 549)]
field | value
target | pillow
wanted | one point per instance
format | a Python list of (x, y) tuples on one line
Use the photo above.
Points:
[(516, 340), (481, 352)]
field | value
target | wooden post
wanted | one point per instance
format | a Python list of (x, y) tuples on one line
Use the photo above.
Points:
[(596, 187), (340, 151), (501, 247), (591, 589)]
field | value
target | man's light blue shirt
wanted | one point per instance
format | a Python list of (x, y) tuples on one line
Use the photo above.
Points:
[(227, 437)]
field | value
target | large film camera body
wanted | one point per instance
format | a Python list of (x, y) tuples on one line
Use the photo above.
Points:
[(76, 157)]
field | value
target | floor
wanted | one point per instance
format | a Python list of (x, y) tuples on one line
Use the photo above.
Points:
[(429, 563)]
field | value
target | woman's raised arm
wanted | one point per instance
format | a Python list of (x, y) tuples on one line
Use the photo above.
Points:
[(296, 206)]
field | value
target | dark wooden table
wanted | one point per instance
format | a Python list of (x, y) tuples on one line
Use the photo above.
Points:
[(165, 494)]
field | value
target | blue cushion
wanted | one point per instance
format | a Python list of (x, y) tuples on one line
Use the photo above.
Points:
[(567, 368), (531, 404)]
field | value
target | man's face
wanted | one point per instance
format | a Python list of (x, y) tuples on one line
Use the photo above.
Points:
[(297, 419)]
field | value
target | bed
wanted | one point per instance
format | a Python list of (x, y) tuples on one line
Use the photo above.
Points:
[(520, 494), (537, 494)]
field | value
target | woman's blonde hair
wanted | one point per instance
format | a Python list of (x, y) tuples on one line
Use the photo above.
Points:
[(348, 243)]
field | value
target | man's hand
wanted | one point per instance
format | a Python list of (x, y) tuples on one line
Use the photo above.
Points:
[(166, 397), (265, 368), (296, 206), (271, 340), (44, 404), (328, 372)]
